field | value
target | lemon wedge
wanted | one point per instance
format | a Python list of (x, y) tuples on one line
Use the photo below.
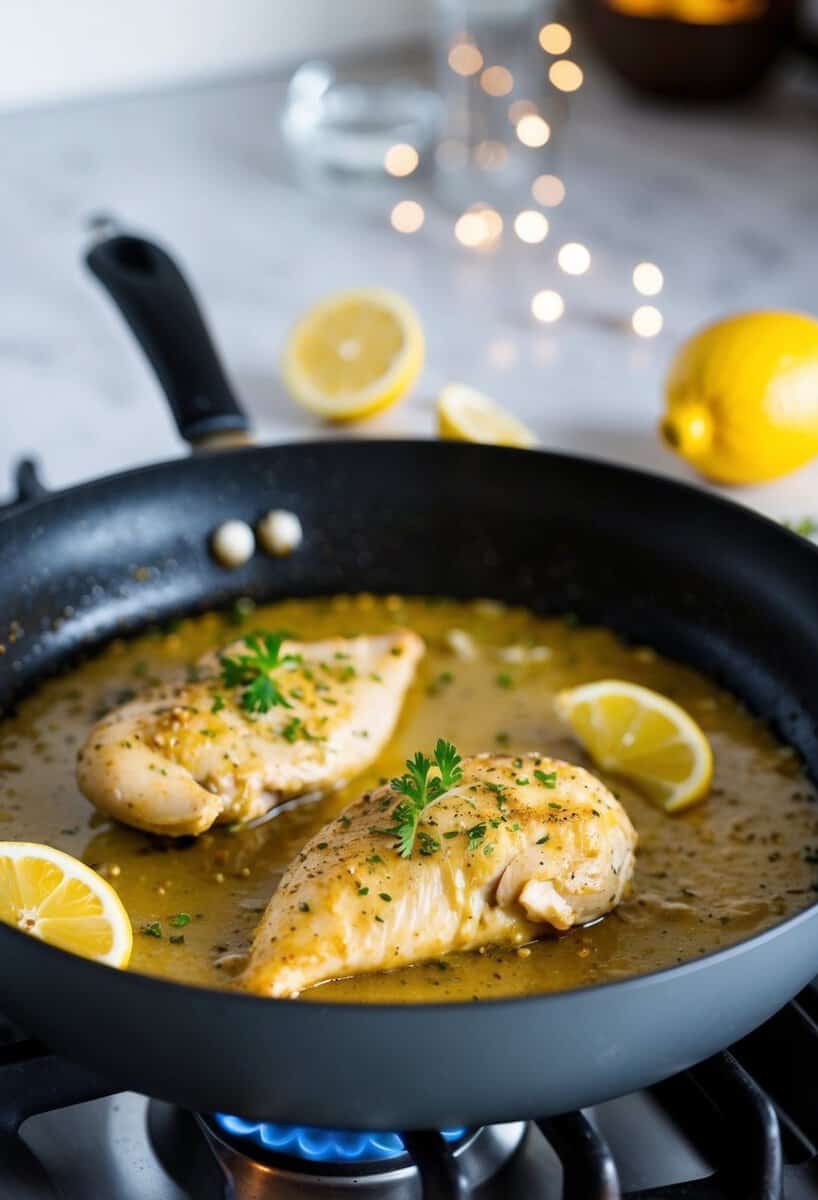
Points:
[(634, 732), (466, 415), (353, 354), (57, 898)]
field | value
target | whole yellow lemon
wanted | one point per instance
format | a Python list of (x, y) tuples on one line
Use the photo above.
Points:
[(742, 397)]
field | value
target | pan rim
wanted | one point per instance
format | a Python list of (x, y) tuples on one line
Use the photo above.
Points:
[(11, 511), (622, 987), (258, 1004)]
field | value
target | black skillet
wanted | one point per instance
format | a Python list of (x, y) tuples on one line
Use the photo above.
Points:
[(699, 578)]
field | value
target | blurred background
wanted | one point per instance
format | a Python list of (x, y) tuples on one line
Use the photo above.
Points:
[(562, 192)]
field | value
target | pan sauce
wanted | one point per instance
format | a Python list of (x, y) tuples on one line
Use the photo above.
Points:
[(741, 861)]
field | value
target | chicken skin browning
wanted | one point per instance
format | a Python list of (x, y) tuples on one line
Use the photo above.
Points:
[(183, 757), (515, 847)]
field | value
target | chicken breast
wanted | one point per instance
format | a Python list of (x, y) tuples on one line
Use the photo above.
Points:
[(185, 756), (516, 847)]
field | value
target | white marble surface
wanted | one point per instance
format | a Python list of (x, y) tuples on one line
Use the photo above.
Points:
[(724, 200)]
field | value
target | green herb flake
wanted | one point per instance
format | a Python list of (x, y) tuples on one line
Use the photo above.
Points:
[(547, 780), (179, 920), (363, 891), (522, 780), (504, 680), (541, 841), (177, 939), (152, 929), (476, 835), (304, 907), (218, 703), (806, 526)]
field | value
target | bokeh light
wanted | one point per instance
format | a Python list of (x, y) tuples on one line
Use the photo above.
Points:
[(565, 75), (548, 190), (648, 279), (531, 226), (533, 131), (401, 159), (497, 81), (647, 321), (407, 216), (574, 258), (519, 109), (547, 306), (490, 156), (555, 38), (465, 58), (478, 227)]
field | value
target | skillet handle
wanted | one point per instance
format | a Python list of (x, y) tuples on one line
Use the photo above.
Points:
[(156, 301)]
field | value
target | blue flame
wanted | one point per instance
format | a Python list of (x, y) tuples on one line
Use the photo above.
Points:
[(322, 1145)]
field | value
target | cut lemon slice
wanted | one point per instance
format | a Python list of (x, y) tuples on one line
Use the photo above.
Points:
[(466, 415), (57, 898), (646, 738), (354, 354)]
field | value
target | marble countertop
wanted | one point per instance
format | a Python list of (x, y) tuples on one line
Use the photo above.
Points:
[(722, 199)]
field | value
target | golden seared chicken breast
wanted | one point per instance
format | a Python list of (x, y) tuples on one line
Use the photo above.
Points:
[(266, 719), (452, 856)]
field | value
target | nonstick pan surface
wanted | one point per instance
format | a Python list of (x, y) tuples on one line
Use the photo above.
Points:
[(699, 578)]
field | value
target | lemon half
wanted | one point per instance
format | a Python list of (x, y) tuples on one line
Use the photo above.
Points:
[(466, 415), (641, 735), (53, 896), (353, 354)]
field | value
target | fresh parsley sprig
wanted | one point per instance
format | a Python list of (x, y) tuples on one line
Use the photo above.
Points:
[(252, 671), (420, 788)]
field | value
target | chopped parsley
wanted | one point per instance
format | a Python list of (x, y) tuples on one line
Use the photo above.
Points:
[(387, 899), (476, 835), (504, 680), (428, 844), (547, 780), (541, 841), (363, 891), (177, 939), (295, 729), (522, 780), (179, 920), (218, 703), (152, 929), (252, 671), (419, 789), (806, 526)]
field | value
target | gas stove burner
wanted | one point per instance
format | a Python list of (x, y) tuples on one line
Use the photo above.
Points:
[(266, 1161), (213, 1157), (322, 1145)]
